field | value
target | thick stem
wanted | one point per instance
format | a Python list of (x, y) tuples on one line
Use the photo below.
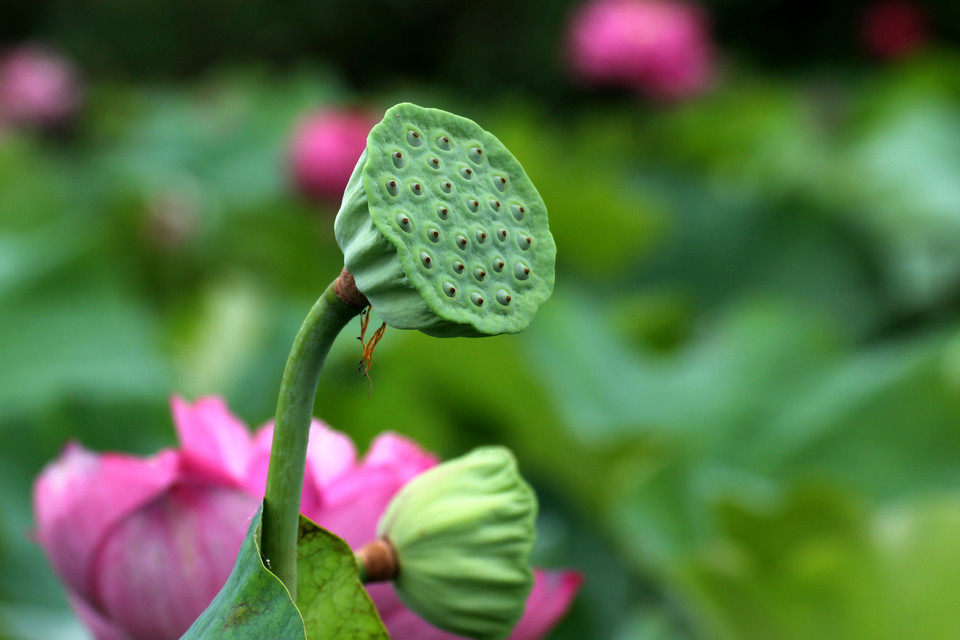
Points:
[(281, 502)]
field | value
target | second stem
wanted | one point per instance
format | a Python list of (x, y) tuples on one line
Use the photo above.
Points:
[(298, 390)]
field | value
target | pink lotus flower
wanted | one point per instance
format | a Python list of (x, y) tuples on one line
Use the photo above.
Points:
[(38, 88), (143, 545), (660, 48), (893, 29), (324, 150)]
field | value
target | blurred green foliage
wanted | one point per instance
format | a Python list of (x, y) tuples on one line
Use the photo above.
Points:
[(741, 409)]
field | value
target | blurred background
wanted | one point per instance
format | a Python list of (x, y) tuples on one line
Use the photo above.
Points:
[(741, 407)]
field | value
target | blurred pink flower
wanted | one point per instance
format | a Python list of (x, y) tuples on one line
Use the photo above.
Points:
[(660, 48), (38, 88), (893, 29), (143, 545), (324, 150)]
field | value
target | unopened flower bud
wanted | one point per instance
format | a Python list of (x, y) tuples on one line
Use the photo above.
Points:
[(39, 89), (462, 533), (323, 149)]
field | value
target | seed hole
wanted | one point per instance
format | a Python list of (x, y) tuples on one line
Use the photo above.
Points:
[(398, 160), (417, 189), (458, 267), (403, 221), (479, 274), (518, 211), (503, 297), (498, 265), (494, 204), (473, 205), (444, 143), (524, 242), (433, 235), (481, 236), (521, 271), (466, 173), (475, 154), (502, 234), (426, 259), (476, 299), (392, 187), (443, 213), (413, 138), (434, 163), (449, 289), (461, 241), (500, 183)]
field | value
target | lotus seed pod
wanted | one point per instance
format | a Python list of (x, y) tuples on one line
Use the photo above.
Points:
[(433, 183), (462, 533)]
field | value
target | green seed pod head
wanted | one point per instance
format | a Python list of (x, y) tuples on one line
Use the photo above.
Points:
[(443, 230), (462, 533)]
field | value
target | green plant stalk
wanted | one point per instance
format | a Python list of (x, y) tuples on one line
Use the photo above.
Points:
[(281, 502)]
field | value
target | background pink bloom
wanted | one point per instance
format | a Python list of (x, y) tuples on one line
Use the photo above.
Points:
[(38, 88), (660, 48), (324, 150), (143, 545), (893, 29)]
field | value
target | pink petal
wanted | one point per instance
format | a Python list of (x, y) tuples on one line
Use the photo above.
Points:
[(352, 505), (402, 455), (211, 437), (324, 150), (659, 47), (255, 477), (553, 591), (401, 623), (353, 502), (329, 455), (80, 496), (102, 628), (38, 87), (161, 566)]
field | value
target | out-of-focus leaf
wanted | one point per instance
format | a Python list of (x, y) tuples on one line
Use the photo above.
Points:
[(85, 338), (815, 562), (904, 174), (650, 624), (222, 336), (602, 221), (20, 621), (799, 567), (25, 257), (607, 388), (228, 138), (916, 545)]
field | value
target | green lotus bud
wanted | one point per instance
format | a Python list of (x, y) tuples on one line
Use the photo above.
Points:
[(443, 230), (462, 533)]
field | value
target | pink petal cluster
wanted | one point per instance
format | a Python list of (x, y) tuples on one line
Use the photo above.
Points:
[(660, 48), (893, 29), (144, 544), (325, 148), (38, 88)]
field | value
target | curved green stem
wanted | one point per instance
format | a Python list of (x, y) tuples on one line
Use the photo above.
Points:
[(281, 502)]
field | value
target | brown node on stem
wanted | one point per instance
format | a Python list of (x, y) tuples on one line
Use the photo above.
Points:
[(345, 287), (379, 560)]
